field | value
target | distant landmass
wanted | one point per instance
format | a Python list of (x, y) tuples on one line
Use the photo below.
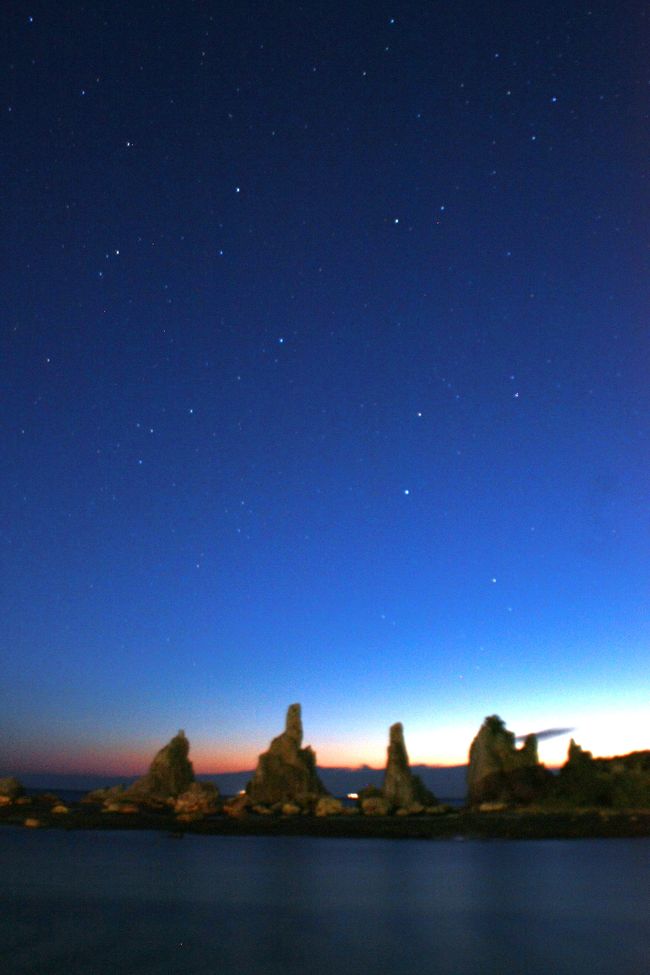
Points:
[(447, 782)]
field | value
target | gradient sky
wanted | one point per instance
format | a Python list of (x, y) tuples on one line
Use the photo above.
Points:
[(325, 375)]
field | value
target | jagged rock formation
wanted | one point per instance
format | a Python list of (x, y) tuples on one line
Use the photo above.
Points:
[(170, 773), (10, 788), (499, 771), (622, 782), (286, 773), (402, 789)]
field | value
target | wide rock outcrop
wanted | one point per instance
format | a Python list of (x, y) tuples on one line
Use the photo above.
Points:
[(286, 773), (499, 771), (402, 789), (621, 782), (170, 774)]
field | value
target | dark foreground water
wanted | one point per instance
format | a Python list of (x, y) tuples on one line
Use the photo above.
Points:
[(141, 902)]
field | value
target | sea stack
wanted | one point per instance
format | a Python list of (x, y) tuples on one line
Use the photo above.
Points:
[(286, 773), (499, 771), (401, 788), (170, 773)]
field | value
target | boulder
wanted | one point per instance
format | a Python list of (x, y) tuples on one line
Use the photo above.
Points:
[(499, 772), (286, 773), (11, 787), (290, 809), (375, 806), (126, 808), (238, 806), (169, 775), (107, 795), (328, 806), (401, 788), (201, 798)]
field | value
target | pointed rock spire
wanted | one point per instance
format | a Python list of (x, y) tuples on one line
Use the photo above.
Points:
[(401, 787), (286, 772), (293, 724)]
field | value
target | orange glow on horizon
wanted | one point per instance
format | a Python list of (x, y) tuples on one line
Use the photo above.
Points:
[(605, 734), (125, 761)]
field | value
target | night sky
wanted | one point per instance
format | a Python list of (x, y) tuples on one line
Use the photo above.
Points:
[(325, 370)]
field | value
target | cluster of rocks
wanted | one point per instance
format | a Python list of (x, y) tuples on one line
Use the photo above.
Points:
[(286, 782), (499, 773), (12, 793), (170, 783)]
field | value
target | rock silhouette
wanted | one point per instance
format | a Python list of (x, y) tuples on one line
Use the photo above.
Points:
[(170, 774), (401, 788), (621, 782), (286, 773), (498, 771)]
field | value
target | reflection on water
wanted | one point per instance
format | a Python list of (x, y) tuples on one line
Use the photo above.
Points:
[(141, 902)]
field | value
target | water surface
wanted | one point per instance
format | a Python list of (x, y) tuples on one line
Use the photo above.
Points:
[(140, 902)]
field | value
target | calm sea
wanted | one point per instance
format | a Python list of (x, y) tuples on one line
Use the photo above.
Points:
[(141, 902)]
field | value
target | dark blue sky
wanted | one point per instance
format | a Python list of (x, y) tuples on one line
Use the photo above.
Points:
[(324, 377)]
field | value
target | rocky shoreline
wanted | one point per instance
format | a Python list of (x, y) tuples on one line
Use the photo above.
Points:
[(47, 812), (510, 794)]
